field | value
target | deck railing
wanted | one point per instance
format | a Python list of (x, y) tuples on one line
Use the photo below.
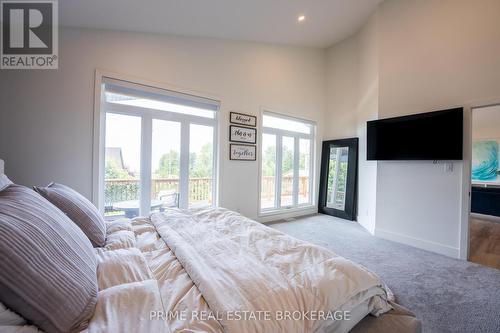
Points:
[(268, 189), (200, 189)]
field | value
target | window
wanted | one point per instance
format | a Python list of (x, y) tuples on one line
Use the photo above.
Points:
[(287, 157), (157, 149)]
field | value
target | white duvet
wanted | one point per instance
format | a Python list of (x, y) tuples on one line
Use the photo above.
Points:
[(213, 270)]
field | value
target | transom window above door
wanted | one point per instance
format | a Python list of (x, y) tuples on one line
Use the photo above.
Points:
[(286, 163), (157, 149)]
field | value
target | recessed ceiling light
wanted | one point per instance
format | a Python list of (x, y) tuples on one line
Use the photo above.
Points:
[(301, 18)]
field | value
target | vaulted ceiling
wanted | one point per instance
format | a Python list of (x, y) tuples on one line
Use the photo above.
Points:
[(271, 21)]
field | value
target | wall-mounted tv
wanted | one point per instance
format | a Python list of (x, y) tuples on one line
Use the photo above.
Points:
[(434, 135)]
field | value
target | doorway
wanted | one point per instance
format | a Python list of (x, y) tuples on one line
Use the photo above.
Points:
[(484, 219)]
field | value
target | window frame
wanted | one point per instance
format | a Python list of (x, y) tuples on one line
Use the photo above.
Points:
[(147, 115), (279, 134)]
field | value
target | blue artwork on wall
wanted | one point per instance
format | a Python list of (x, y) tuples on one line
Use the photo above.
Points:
[(485, 160)]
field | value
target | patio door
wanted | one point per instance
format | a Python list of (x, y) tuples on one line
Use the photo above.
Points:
[(122, 164), (165, 164), (286, 163), (158, 150)]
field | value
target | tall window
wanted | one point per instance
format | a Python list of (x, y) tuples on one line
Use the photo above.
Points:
[(158, 149), (287, 155)]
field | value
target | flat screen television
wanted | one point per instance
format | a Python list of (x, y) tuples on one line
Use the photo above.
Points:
[(434, 135)]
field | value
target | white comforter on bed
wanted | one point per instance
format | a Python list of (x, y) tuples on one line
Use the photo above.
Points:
[(208, 270)]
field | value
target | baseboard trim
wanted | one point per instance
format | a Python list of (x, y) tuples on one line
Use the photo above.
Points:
[(287, 214), (490, 218), (367, 225), (419, 243)]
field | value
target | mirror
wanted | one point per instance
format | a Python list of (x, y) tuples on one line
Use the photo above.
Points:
[(338, 178)]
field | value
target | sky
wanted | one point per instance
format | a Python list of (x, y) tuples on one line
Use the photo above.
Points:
[(125, 132)]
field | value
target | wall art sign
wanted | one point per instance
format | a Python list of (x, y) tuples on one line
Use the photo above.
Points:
[(242, 152), (243, 119), (242, 134), (485, 164)]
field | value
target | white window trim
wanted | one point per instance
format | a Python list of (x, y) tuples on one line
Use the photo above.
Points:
[(100, 110), (296, 207)]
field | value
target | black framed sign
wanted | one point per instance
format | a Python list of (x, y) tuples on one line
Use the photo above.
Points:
[(242, 119), (338, 178), (238, 152), (242, 134)]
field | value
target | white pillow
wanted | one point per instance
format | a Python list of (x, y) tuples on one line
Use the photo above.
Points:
[(4, 181), (9, 318)]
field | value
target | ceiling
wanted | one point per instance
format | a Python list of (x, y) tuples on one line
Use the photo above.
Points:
[(269, 21)]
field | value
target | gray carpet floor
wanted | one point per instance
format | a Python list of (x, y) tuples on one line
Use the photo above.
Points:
[(448, 295)]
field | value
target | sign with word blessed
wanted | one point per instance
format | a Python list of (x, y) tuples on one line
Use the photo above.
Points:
[(243, 119), (242, 152)]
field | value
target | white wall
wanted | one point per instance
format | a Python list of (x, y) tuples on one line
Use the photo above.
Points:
[(486, 123), (352, 99), (47, 116), (368, 105), (422, 55), (342, 90), (418, 203), (433, 55)]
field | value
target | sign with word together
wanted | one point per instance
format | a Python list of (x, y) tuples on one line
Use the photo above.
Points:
[(242, 152)]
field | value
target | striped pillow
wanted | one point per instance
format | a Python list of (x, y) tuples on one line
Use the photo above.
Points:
[(48, 269), (79, 210)]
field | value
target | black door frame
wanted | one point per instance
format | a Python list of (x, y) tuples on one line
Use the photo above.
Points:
[(349, 213)]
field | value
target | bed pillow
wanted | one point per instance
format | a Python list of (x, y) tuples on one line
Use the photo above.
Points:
[(4, 182), (48, 273), (79, 210), (9, 318)]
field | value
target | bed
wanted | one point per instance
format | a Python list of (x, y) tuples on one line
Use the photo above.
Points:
[(213, 270)]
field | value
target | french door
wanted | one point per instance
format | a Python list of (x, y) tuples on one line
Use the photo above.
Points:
[(159, 150), (286, 170)]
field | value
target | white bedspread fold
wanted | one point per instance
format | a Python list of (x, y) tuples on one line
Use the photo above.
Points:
[(245, 270)]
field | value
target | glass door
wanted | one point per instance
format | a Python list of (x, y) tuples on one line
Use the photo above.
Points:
[(337, 177), (165, 164), (287, 171), (287, 157), (122, 166), (201, 165)]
